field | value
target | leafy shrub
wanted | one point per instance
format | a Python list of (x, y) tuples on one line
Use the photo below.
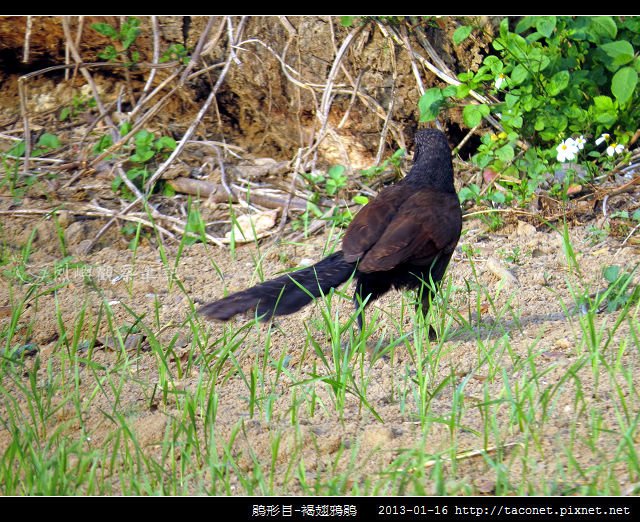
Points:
[(556, 78)]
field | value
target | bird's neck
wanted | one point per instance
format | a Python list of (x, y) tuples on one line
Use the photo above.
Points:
[(438, 177)]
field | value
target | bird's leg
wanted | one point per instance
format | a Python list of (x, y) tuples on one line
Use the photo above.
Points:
[(427, 292), (359, 307)]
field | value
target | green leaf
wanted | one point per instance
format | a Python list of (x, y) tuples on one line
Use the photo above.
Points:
[(526, 23), (511, 99), (505, 153), (534, 37), (538, 60), (195, 225), (166, 143), (143, 138), (65, 113), (360, 200), (504, 28), (430, 103), (606, 118), (103, 143), (347, 21), (516, 121), (129, 32), (398, 155), (497, 197), (136, 172), (518, 47), (465, 76), (470, 192), (611, 273), (336, 172), (109, 53), (620, 52), (623, 84), (105, 29), (558, 82), (49, 141), (494, 63), (603, 26), (125, 128), (462, 91), (168, 191), (473, 114), (142, 155), (17, 150), (336, 179), (545, 25), (603, 103), (519, 74), (576, 114), (449, 90), (461, 34)]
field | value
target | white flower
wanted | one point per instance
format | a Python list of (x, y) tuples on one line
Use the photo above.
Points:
[(603, 137), (500, 79), (580, 142), (567, 150), (614, 148)]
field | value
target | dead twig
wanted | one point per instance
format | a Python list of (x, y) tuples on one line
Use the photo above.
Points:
[(292, 188), (27, 40), (22, 92), (385, 126), (87, 76), (155, 58), (205, 107), (218, 194), (327, 96), (414, 65), (195, 57), (466, 138)]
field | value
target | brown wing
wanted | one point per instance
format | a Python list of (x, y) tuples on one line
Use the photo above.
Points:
[(371, 222), (425, 224)]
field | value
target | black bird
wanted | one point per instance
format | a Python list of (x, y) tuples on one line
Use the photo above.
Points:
[(404, 236)]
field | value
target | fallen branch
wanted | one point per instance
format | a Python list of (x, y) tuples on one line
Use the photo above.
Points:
[(216, 193)]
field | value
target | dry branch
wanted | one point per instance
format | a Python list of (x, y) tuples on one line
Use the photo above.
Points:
[(218, 194), (205, 107)]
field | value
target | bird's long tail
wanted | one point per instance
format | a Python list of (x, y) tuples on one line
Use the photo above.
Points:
[(283, 295)]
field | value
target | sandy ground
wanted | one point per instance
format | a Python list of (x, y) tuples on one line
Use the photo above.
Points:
[(523, 325)]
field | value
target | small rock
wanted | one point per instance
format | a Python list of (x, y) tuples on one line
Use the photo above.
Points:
[(397, 431), (496, 268), (76, 232), (250, 226), (321, 431), (525, 229), (64, 218), (539, 278), (81, 249), (376, 437), (485, 486), (305, 261)]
